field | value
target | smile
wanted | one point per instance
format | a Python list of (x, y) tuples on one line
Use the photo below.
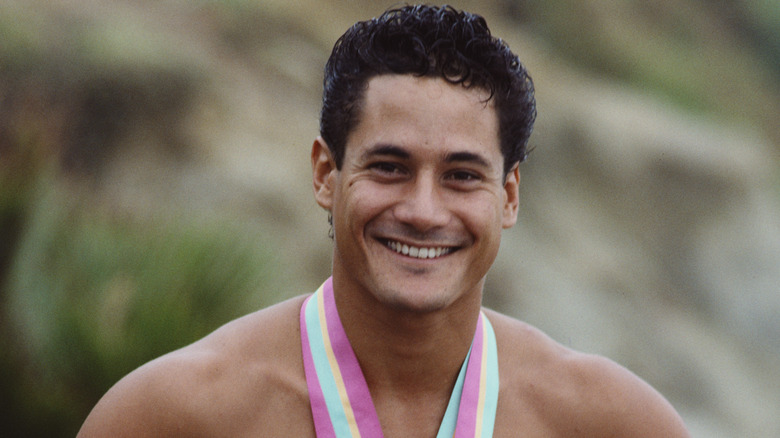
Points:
[(417, 252)]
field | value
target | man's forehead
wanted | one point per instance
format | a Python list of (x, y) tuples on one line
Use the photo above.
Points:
[(409, 116), (435, 86)]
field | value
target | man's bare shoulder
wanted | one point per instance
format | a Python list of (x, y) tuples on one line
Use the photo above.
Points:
[(562, 392), (226, 384)]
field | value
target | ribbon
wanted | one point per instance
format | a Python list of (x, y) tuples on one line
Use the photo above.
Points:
[(339, 396)]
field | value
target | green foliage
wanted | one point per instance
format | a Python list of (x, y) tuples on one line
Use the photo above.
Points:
[(93, 294), (713, 59), (87, 292)]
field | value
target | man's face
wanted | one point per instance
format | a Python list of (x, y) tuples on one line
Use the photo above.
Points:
[(420, 201)]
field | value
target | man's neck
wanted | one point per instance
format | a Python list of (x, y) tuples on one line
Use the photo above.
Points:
[(404, 353)]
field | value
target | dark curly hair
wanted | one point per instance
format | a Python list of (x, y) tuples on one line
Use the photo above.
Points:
[(427, 41)]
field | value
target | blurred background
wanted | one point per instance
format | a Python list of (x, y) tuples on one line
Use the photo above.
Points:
[(154, 184)]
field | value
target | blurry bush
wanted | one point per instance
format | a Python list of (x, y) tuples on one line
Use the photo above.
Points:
[(91, 294), (89, 291)]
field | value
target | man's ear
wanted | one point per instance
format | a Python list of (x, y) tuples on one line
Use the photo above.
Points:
[(512, 193), (324, 170)]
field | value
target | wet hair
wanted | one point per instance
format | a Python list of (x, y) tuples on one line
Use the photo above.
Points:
[(434, 42)]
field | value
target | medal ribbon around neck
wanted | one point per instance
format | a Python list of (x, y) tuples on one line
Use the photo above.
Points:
[(340, 400)]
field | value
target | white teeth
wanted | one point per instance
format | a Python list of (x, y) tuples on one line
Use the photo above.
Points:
[(420, 253)]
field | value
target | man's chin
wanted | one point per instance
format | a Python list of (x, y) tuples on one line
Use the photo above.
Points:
[(416, 300)]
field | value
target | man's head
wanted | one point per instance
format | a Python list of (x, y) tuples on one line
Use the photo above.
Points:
[(427, 41)]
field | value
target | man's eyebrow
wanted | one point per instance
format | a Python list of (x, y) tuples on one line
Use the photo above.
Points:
[(383, 149), (456, 157), (386, 149)]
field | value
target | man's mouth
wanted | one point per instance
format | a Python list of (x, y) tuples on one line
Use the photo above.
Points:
[(431, 252)]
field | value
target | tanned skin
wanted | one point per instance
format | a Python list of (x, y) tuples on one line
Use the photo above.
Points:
[(422, 168), (246, 379)]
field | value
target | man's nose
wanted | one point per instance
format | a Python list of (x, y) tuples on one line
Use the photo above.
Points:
[(423, 206)]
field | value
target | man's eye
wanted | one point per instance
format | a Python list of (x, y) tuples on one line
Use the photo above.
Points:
[(463, 175), (385, 167)]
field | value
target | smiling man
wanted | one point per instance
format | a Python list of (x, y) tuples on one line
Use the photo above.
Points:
[(420, 199), (425, 120)]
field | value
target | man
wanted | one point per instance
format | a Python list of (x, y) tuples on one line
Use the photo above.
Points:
[(425, 119)]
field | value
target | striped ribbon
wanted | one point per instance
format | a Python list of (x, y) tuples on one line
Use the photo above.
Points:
[(340, 399)]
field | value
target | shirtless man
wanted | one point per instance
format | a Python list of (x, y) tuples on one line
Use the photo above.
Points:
[(425, 119)]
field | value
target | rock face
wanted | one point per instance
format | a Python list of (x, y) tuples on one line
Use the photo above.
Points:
[(646, 233), (652, 237)]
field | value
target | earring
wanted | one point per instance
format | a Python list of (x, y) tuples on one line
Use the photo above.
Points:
[(330, 222)]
